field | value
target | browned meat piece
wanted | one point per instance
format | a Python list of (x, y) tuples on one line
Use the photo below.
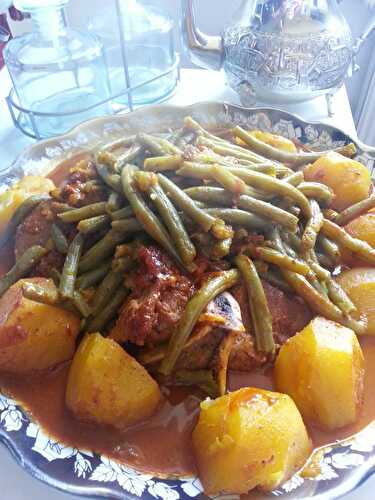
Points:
[(160, 293), (289, 316), (35, 229), (76, 192), (197, 352)]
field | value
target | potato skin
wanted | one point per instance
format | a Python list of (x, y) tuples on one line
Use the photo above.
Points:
[(34, 336), (322, 369), (249, 438), (359, 284), (349, 179), (107, 386)]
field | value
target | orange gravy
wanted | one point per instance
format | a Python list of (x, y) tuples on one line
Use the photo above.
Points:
[(161, 444)]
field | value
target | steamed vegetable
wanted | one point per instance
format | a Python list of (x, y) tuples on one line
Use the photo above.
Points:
[(34, 336), (249, 438), (107, 386), (322, 369)]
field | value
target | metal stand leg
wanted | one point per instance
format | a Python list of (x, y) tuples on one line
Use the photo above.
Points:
[(329, 99)]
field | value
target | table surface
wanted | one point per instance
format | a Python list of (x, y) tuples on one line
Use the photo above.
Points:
[(195, 85)]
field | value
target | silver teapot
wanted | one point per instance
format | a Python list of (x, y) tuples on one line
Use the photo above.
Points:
[(279, 51)]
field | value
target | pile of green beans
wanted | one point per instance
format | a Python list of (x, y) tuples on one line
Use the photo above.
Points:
[(195, 193)]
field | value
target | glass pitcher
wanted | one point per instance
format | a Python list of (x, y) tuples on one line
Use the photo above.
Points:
[(138, 42), (279, 50), (56, 72)]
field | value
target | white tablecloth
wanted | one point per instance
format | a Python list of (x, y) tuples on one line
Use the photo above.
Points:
[(195, 85)]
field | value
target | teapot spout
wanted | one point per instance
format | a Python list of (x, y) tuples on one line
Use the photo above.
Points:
[(204, 50)]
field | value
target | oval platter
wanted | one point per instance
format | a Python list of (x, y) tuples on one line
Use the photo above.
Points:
[(343, 465)]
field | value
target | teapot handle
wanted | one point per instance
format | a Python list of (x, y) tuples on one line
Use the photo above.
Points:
[(370, 26), (204, 50)]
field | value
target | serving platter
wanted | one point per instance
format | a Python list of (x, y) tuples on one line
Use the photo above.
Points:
[(342, 466)]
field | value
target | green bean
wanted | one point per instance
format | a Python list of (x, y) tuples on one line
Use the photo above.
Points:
[(203, 171), (130, 225), (228, 149), (237, 217), (318, 191), (163, 163), (320, 271), (81, 305), (94, 224), (319, 303), (112, 180), (123, 213), (201, 378), (93, 277), (85, 212), (122, 264), (58, 207), (38, 293), (193, 309), (174, 224), (324, 260), (145, 216), (330, 214), (313, 226), (256, 179), (101, 250), (208, 156), (20, 214), (69, 272), (228, 180), (260, 313), (339, 297), (105, 290), (330, 248), (219, 196), (186, 204), (274, 279), (128, 156), (108, 312), (59, 239), (22, 267), (361, 248), (355, 210), (294, 179), (295, 159), (114, 202), (121, 142), (221, 248), (281, 260), (158, 146), (193, 125), (106, 158)]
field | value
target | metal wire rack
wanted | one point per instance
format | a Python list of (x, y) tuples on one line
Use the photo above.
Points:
[(26, 119)]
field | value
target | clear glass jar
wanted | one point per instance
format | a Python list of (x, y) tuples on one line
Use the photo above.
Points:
[(57, 73), (138, 43)]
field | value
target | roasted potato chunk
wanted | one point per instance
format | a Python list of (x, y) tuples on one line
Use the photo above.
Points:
[(359, 284), (363, 228), (249, 438), (108, 386), (34, 336), (349, 179), (322, 369)]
